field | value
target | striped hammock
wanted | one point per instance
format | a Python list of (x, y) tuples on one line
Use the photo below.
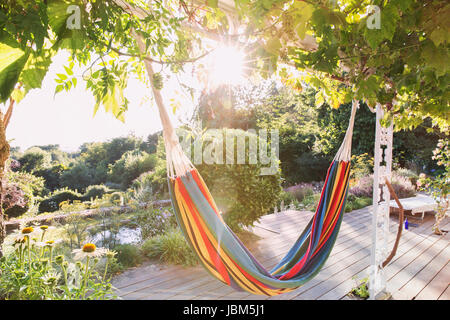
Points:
[(220, 251)]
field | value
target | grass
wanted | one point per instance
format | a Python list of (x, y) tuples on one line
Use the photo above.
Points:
[(170, 247)]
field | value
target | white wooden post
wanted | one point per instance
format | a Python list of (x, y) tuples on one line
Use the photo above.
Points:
[(380, 209)]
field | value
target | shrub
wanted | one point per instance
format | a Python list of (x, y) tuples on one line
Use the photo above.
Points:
[(361, 166), (310, 202), (240, 191), (52, 203), (401, 185), (409, 174), (95, 192), (286, 198), (153, 222), (28, 186), (363, 187), (116, 198), (130, 166), (78, 176), (170, 247), (13, 200), (300, 191), (354, 203), (128, 255)]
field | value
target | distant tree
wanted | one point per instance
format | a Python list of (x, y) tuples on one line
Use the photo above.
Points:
[(34, 159), (130, 166), (78, 176), (52, 175)]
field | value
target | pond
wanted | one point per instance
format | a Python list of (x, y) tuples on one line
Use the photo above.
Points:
[(125, 235)]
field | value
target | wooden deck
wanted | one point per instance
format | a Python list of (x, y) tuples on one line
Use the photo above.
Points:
[(420, 269)]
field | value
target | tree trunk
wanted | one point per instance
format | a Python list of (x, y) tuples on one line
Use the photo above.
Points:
[(4, 155)]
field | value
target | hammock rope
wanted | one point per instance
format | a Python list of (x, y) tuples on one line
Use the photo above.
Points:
[(219, 250)]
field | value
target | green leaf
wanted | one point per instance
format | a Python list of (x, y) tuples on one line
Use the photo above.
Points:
[(68, 70), (12, 62), (213, 3), (59, 88), (439, 36)]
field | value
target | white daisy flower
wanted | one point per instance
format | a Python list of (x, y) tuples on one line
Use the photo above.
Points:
[(89, 250)]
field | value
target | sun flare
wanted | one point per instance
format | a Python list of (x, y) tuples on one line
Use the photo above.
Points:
[(226, 66)]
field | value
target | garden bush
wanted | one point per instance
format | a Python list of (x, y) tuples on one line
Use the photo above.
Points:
[(21, 185), (170, 247), (154, 221), (130, 166), (286, 198), (52, 203), (95, 192), (300, 191), (241, 192), (116, 198), (128, 255), (401, 185), (354, 203)]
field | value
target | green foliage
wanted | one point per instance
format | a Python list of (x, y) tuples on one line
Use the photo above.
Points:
[(128, 255), (95, 191), (361, 166), (170, 247), (32, 188), (355, 203), (130, 166), (361, 290), (51, 175), (78, 176), (76, 229), (286, 198), (116, 198), (439, 186), (52, 203), (35, 270), (34, 159), (154, 221), (232, 185), (310, 202)]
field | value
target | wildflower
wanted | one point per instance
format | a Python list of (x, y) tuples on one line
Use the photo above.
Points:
[(43, 227), (110, 254), (59, 259), (89, 250), (51, 278), (27, 230)]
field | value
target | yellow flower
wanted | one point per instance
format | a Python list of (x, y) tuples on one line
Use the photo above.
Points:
[(89, 250), (89, 247), (27, 230)]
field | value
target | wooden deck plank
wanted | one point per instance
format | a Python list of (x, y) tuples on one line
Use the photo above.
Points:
[(407, 245), (424, 276), (436, 287), (446, 295), (349, 257)]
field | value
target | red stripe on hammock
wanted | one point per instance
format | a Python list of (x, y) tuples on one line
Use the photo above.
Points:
[(203, 189), (213, 254), (329, 233), (296, 268)]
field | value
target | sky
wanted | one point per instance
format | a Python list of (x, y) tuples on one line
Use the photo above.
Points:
[(67, 119)]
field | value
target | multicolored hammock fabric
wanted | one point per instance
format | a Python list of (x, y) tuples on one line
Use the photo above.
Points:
[(220, 251), (226, 258)]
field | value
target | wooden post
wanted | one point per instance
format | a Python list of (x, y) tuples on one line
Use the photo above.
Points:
[(380, 208)]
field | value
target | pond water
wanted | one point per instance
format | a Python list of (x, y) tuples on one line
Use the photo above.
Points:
[(126, 235)]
